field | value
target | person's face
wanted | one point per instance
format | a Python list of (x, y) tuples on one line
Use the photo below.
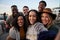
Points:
[(20, 21), (25, 10), (45, 18), (41, 7), (14, 10), (32, 17)]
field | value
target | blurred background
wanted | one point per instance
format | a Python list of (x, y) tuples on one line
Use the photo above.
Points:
[(5, 8)]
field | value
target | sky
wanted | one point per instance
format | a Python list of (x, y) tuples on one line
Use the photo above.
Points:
[(5, 5)]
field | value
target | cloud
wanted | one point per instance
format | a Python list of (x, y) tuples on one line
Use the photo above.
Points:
[(5, 8)]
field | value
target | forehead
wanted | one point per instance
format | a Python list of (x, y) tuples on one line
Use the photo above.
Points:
[(45, 14), (32, 13), (13, 7), (25, 8), (20, 17), (41, 3)]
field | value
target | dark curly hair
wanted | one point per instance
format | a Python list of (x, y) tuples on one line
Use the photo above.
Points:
[(43, 2), (15, 24), (13, 6)]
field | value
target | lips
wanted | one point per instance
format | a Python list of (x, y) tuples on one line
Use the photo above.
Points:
[(32, 22), (44, 22)]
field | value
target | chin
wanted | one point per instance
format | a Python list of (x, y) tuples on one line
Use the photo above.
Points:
[(32, 23), (44, 23), (20, 25)]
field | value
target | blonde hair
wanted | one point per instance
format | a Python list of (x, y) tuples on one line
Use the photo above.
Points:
[(48, 10)]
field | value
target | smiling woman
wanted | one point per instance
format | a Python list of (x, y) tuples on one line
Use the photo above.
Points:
[(35, 27), (18, 31), (32, 4)]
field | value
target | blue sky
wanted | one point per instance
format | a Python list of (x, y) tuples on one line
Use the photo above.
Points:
[(32, 4)]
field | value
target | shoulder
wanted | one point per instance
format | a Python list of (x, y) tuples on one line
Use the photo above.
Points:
[(39, 25), (12, 30), (9, 17), (54, 28), (12, 33)]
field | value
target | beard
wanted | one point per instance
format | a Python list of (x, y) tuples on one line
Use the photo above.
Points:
[(14, 15)]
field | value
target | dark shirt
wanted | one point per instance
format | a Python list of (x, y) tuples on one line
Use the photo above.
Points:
[(47, 35), (54, 28)]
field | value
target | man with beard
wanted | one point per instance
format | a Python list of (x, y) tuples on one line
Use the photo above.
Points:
[(11, 17)]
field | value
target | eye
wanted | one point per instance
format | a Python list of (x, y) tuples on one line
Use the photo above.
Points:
[(29, 15)]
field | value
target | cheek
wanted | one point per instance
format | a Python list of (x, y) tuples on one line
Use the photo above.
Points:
[(44, 20), (32, 20), (20, 22), (47, 19), (29, 18)]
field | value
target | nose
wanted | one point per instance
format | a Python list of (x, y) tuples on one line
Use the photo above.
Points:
[(31, 18), (44, 18)]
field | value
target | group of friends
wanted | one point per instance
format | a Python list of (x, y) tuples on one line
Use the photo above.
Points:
[(32, 24)]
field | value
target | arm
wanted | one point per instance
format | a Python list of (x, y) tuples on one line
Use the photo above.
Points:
[(9, 38), (8, 21), (12, 35), (40, 27), (58, 36)]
